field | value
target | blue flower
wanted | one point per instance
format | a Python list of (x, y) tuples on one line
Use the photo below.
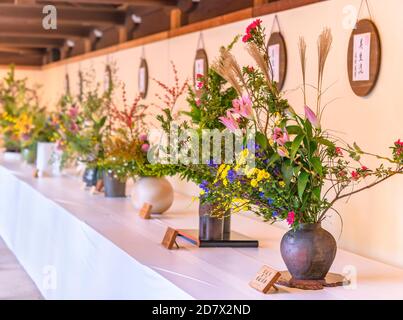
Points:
[(204, 186), (231, 176), (274, 214), (270, 201)]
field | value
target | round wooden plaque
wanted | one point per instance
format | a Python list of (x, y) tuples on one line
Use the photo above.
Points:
[(108, 79), (364, 57), (278, 57), (67, 84), (80, 85), (143, 78), (200, 65)]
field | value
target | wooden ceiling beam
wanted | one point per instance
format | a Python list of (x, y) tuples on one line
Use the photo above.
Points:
[(15, 14), (21, 51), (148, 3), (30, 42), (34, 30)]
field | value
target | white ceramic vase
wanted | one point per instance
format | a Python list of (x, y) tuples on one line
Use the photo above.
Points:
[(157, 192), (48, 159)]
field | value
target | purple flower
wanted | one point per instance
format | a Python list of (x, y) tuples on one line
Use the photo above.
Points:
[(143, 137), (145, 147)]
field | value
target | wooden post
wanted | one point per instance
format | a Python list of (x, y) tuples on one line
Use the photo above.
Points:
[(87, 45), (176, 18), (257, 3), (122, 33)]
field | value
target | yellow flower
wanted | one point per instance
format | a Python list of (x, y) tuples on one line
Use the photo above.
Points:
[(282, 184), (262, 174), (254, 183)]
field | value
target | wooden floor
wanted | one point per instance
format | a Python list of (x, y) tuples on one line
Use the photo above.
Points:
[(15, 284)]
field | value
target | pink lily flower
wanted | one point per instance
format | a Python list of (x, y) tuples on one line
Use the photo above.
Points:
[(73, 112), (229, 122), (311, 116), (243, 107), (282, 152), (280, 136)]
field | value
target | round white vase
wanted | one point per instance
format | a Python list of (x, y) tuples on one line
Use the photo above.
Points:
[(48, 159), (157, 192)]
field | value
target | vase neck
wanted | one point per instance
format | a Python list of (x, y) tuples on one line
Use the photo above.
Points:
[(310, 226)]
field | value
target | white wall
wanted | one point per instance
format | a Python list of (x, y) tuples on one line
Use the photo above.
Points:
[(373, 220)]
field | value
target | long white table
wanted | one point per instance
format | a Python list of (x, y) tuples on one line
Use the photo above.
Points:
[(75, 245)]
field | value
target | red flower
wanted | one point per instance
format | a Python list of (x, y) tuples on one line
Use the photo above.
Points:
[(291, 217), (250, 28), (199, 76), (339, 151), (355, 176), (246, 37), (399, 143), (250, 69), (364, 168)]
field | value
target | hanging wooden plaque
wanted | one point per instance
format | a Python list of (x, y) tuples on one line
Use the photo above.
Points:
[(277, 51), (143, 78), (67, 84), (108, 81), (80, 85), (200, 66), (364, 57)]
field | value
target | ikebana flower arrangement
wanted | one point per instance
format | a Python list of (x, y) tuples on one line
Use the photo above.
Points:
[(297, 170), (17, 103), (84, 124), (125, 145)]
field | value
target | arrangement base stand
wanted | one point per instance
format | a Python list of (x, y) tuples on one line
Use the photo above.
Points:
[(331, 280), (232, 240)]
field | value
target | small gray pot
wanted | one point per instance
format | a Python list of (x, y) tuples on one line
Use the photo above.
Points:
[(113, 187)]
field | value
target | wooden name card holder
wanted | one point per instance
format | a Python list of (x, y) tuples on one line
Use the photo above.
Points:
[(145, 211), (265, 279), (170, 238)]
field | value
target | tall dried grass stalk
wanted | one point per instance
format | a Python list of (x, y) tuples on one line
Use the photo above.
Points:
[(227, 67), (302, 56), (261, 61), (324, 44)]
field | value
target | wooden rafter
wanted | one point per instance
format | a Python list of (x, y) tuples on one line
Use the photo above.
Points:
[(35, 30), (15, 14)]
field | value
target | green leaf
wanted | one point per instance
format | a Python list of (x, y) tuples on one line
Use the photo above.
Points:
[(302, 181), (294, 130), (295, 145), (317, 165), (357, 148), (326, 142), (261, 140), (287, 171), (316, 192), (273, 159)]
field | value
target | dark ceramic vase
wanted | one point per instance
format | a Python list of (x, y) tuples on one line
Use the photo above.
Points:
[(308, 252), (90, 177), (211, 225), (113, 188)]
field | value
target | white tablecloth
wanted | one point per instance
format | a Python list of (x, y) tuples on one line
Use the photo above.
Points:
[(82, 246)]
